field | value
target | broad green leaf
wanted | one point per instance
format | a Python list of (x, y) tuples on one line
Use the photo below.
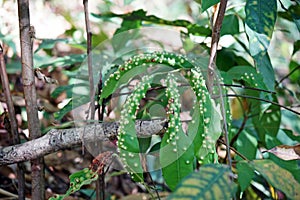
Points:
[(245, 174), (50, 43), (176, 152), (201, 131), (212, 133), (264, 66), (248, 74), (141, 16), (295, 76), (66, 88), (247, 145), (127, 139), (198, 124), (226, 59), (72, 104), (268, 122), (140, 63), (291, 135), (260, 20), (296, 47), (230, 25), (205, 4), (212, 182), (278, 177), (65, 61), (77, 180)]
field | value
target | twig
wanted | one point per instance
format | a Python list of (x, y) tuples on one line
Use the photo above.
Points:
[(89, 58), (248, 88), (234, 150), (296, 68), (265, 100), (235, 137), (211, 69), (13, 123), (214, 45), (30, 95)]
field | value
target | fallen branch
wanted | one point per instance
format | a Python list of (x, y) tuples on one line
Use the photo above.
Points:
[(59, 139)]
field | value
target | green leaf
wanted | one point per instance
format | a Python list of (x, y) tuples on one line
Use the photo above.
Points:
[(278, 177), (77, 180), (268, 122), (260, 20), (245, 174), (176, 152), (127, 2), (65, 61), (72, 104), (247, 145), (127, 139), (230, 25), (296, 47), (208, 3), (138, 16), (198, 124), (66, 88), (212, 182), (50, 43), (212, 133), (137, 65), (248, 74), (295, 76), (264, 66)]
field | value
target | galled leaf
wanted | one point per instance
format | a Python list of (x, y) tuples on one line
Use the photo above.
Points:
[(176, 152), (127, 139)]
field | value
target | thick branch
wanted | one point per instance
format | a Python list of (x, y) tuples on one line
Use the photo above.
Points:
[(58, 139)]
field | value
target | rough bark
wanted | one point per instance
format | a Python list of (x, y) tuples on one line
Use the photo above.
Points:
[(30, 95), (58, 139)]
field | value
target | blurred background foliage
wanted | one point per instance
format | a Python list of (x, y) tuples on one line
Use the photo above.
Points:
[(59, 51)]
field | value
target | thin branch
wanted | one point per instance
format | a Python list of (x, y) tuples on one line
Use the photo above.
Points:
[(265, 100), (248, 88), (13, 123), (211, 69), (58, 139), (234, 150), (289, 74), (30, 95), (214, 44), (235, 137), (89, 58)]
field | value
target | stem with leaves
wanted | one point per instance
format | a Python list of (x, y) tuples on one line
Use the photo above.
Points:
[(30, 95)]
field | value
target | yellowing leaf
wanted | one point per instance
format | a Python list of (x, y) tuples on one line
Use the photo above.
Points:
[(286, 152)]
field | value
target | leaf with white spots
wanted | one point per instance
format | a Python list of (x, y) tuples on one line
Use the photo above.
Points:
[(127, 139), (138, 65), (248, 74), (199, 126), (176, 152)]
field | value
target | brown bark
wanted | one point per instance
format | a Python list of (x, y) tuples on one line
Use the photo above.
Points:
[(30, 95)]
